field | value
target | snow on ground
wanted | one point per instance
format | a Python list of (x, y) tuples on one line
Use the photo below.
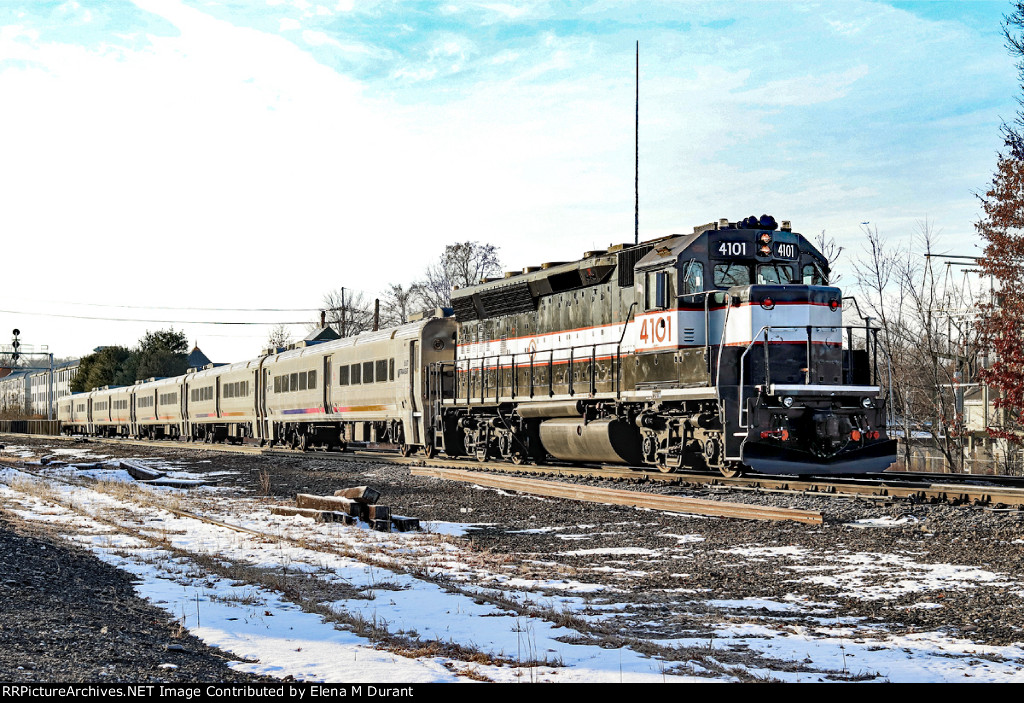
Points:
[(364, 580)]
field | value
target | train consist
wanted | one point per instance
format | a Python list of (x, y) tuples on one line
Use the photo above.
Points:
[(722, 349)]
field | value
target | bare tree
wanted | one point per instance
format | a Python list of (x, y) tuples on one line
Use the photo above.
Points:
[(875, 274), (935, 367), (279, 336), (923, 331), (832, 251), (462, 264), (397, 303), (347, 312)]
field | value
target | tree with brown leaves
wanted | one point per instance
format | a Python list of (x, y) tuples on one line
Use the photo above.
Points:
[(1001, 327)]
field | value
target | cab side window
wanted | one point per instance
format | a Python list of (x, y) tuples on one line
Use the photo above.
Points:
[(813, 276), (693, 279), (658, 290)]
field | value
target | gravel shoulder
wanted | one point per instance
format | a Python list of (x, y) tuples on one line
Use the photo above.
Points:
[(69, 617)]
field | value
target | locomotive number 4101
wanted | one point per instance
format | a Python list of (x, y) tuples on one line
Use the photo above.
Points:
[(781, 250), (732, 249), (656, 329)]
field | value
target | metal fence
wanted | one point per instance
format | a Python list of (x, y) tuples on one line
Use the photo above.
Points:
[(46, 427), (926, 458)]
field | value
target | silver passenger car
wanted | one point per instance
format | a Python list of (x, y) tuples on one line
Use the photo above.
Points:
[(370, 388)]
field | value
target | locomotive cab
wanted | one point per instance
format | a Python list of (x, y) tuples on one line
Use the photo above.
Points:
[(794, 399)]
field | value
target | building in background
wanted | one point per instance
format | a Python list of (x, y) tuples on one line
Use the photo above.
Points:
[(15, 393), (26, 392)]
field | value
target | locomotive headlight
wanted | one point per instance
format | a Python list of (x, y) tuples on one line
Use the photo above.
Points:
[(867, 403), (787, 402), (767, 303)]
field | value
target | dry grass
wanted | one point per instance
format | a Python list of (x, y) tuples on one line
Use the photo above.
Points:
[(263, 487)]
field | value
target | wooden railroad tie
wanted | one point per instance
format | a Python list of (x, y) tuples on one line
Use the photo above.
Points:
[(359, 503), (613, 496)]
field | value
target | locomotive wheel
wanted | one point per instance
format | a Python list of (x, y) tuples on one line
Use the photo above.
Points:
[(304, 441), (517, 458), (731, 470), (429, 451), (405, 450)]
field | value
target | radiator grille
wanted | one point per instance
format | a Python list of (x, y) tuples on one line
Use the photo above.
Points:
[(627, 260), (507, 300)]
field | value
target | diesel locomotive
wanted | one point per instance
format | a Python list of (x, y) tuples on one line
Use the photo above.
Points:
[(723, 349)]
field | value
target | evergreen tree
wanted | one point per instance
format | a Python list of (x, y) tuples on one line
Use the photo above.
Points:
[(160, 354), (106, 367)]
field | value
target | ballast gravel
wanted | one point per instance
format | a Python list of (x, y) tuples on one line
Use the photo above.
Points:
[(884, 564)]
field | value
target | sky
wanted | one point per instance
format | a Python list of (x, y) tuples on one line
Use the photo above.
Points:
[(185, 161)]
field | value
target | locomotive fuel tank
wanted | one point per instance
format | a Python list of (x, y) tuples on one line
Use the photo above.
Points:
[(605, 440)]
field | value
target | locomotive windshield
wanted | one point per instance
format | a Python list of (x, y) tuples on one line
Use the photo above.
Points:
[(774, 273), (732, 274)]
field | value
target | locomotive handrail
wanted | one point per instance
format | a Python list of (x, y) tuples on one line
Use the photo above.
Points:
[(767, 368), (467, 366)]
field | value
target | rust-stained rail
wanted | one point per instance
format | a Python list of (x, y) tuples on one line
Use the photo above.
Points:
[(614, 496)]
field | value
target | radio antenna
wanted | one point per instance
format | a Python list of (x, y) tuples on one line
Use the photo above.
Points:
[(636, 154)]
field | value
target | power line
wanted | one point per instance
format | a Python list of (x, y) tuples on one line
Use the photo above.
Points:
[(171, 322), (168, 307)]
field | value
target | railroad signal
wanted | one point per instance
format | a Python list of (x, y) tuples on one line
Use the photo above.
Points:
[(15, 344)]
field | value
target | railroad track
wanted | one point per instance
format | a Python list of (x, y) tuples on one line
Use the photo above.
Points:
[(956, 489), (554, 489)]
